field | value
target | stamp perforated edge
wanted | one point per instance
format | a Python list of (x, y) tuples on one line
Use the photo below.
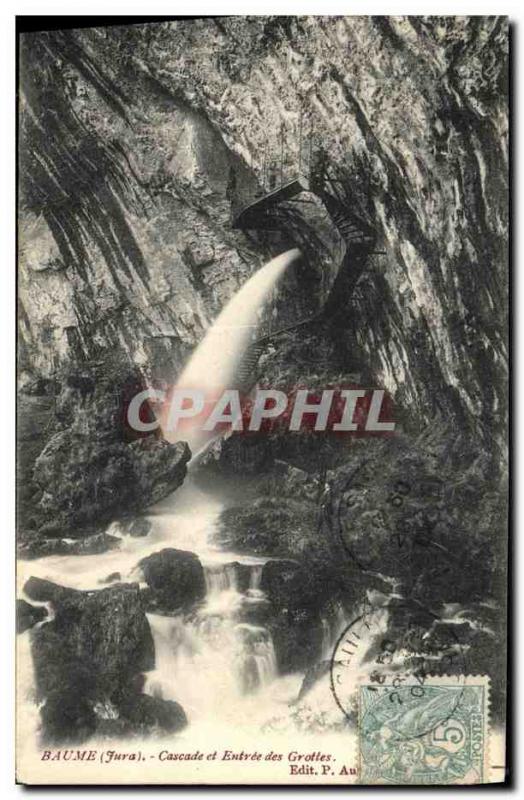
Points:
[(440, 680)]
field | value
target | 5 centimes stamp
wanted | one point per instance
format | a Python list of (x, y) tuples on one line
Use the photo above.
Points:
[(431, 734)]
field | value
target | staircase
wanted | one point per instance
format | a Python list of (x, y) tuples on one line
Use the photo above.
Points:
[(309, 175), (246, 372)]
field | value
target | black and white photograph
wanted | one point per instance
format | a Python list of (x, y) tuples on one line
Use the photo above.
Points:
[(263, 389)]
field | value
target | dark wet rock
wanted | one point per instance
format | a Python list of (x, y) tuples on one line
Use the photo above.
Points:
[(312, 582), (94, 647), (44, 591), (34, 423), (417, 511), (248, 455), (243, 574), (96, 543), (444, 633), (100, 480), (269, 526), (408, 613), (293, 481), (99, 543), (285, 582), (139, 715), (28, 615), (90, 467), (175, 579), (114, 576), (145, 714), (297, 637), (294, 618), (67, 717), (105, 632)]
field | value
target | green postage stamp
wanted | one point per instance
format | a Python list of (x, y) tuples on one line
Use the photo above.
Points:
[(427, 733)]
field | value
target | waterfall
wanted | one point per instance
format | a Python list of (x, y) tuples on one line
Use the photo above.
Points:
[(213, 365), (332, 627), (255, 578), (27, 705), (216, 656), (221, 578), (326, 638), (28, 717), (216, 661), (210, 660)]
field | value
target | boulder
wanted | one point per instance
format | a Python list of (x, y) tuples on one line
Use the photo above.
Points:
[(287, 583), (262, 527), (145, 714), (297, 638), (94, 648), (297, 598), (90, 545), (82, 465), (28, 615), (67, 717), (43, 591), (175, 579), (111, 578), (86, 481)]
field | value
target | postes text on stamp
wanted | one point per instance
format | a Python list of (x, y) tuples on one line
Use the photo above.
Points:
[(430, 734)]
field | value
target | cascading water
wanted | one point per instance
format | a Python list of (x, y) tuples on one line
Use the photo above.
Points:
[(213, 365), (218, 661), (255, 578), (215, 659), (331, 629), (216, 644), (211, 659)]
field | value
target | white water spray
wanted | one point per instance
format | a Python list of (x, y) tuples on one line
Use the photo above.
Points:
[(213, 366), (217, 662), (212, 660)]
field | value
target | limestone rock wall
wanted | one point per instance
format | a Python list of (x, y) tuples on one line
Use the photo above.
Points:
[(136, 141)]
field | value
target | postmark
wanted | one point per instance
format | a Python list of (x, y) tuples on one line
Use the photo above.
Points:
[(395, 525), (390, 646), (434, 734)]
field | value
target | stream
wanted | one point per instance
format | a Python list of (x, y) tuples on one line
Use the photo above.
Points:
[(214, 661), (222, 669)]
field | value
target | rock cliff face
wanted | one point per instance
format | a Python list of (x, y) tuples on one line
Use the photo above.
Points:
[(413, 114), (80, 467), (140, 143), (136, 141), (125, 231)]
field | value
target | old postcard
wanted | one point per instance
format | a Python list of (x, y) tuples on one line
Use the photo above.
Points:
[(262, 469)]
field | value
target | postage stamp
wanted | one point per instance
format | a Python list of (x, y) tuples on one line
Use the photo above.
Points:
[(433, 733)]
